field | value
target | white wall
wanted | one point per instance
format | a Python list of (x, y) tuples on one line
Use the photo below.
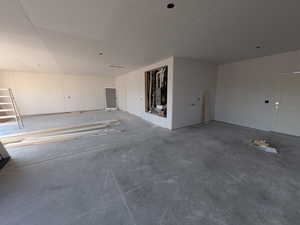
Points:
[(131, 93), (121, 86), (243, 87), (187, 80), (191, 79), (37, 93)]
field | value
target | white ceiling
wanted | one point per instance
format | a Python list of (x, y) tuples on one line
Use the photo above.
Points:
[(65, 36)]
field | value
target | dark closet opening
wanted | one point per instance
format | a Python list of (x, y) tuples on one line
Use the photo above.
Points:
[(156, 91)]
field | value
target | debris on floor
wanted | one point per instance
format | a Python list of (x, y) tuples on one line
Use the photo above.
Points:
[(265, 146), (55, 134), (4, 156)]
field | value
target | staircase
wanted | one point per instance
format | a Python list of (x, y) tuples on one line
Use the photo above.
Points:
[(8, 107)]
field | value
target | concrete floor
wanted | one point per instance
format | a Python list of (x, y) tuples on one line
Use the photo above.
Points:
[(138, 174)]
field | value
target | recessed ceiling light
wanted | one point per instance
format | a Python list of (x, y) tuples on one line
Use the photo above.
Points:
[(170, 5)]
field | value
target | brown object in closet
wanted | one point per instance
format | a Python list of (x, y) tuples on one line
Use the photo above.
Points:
[(205, 108)]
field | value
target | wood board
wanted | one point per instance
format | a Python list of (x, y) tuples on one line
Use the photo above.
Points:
[(57, 131)]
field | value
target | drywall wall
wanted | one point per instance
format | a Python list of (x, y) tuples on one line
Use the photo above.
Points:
[(192, 78), (131, 93), (187, 81), (243, 87), (121, 86), (38, 93)]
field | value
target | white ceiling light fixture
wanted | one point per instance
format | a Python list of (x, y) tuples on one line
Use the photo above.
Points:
[(290, 73), (116, 66)]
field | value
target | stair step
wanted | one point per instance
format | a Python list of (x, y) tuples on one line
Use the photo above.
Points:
[(8, 117), (11, 110), (6, 110)]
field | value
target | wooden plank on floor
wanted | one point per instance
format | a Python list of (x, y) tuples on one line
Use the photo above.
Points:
[(53, 131), (49, 139), (8, 117)]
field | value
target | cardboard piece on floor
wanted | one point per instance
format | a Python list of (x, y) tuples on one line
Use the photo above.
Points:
[(264, 146), (268, 149)]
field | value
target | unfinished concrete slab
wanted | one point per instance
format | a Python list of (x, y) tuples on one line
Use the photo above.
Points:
[(140, 174)]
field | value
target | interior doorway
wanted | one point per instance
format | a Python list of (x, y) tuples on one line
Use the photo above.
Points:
[(288, 105), (111, 98)]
